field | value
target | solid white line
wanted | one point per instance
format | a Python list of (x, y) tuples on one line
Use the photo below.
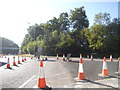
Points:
[(27, 82)]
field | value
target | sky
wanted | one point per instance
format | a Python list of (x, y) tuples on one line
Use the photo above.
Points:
[(17, 15)]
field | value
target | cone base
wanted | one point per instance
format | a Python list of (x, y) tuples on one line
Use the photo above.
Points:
[(41, 83), (101, 75), (42, 88), (91, 59), (8, 66), (111, 59), (105, 72), (80, 80), (14, 64), (81, 76), (18, 62)]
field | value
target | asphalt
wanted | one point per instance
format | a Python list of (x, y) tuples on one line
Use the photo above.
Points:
[(58, 73), (91, 68), (17, 75)]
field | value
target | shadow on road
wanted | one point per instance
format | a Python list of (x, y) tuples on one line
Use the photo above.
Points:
[(10, 68), (2, 63), (101, 84), (51, 60), (74, 61)]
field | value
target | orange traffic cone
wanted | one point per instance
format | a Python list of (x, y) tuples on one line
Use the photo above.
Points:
[(22, 59), (81, 75), (25, 59), (104, 69), (63, 57), (8, 63), (111, 58), (14, 63), (18, 60), (41, 80), (57, 56), (91, 57), (118, 69)]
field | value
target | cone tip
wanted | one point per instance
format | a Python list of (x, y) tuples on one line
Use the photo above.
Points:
[(105, 59)]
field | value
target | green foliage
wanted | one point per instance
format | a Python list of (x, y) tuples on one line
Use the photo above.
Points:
[(72, 34), (96, 35), (79, 19), (102, 18)]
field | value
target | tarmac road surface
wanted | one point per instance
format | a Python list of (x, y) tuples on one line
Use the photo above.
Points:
[(58, 74)]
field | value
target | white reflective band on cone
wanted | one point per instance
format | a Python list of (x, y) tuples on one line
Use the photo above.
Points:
[(104, 65), (91, 56), (80, 56), (81, 68), (13, 60), (110, 57), (41, 73), (8, 62)]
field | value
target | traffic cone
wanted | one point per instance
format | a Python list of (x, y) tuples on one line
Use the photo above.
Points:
[(63, 57), (14, 63), (118, 68), (104, 69), (41, 80), (91, 57), (111, 58), (25, 59), (22, 59), (81, 75), (18, 60), (57, 56), (8, 63)]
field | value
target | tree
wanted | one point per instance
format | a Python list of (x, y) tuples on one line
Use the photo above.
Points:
[(64, 22), (79, 19), (102, 18), (96, 36)]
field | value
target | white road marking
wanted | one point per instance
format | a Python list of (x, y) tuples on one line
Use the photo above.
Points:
[(56, 74), (24, 84)]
